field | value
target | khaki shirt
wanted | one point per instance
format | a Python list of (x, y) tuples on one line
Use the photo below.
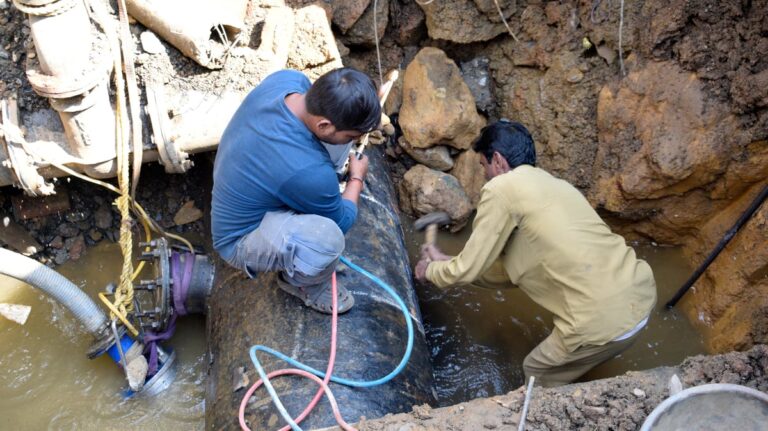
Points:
[(540, 233)]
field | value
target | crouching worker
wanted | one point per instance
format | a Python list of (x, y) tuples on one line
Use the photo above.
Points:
[(276, 201), (539, 233)]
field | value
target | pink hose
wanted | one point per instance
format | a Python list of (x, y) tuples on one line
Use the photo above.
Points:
[(323, 383)]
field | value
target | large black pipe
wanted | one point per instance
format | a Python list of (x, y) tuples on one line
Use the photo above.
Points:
[(371, 336), (745, 216)]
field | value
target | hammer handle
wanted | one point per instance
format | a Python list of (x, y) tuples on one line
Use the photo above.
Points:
[(430, 235)]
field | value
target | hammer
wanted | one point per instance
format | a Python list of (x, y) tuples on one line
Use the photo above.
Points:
[(430, 222)]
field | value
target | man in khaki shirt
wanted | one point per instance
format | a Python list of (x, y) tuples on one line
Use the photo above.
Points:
[(539, 233)]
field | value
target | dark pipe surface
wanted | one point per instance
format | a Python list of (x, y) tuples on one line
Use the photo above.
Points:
[(371, 336), (743, 219)]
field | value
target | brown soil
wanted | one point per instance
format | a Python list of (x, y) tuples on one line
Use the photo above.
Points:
[(619, 403)]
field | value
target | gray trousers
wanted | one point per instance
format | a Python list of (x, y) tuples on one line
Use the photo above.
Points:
[(304, 247)]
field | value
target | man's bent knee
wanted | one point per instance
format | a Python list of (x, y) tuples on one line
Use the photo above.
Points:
[(317, 244)]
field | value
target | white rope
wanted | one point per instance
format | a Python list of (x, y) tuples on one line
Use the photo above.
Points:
[(621, 51), (376, 36), (504, 20)]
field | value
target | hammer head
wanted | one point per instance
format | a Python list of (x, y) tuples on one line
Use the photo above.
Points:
[(438, 218)]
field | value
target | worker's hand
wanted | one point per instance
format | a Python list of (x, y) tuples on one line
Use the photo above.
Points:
[(432, 253), (358, 168), (420, 272)]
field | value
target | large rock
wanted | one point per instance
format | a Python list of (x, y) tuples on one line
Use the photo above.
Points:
[(347, 12), (362, 32), (470, 173), (425, 190), (313, 48), (466, 21), (408, 27), (276, 39), (478, 79), (437, 157), (437, 107)]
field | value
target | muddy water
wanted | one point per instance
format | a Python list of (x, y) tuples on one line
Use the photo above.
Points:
[(479, 337), (46, 381)]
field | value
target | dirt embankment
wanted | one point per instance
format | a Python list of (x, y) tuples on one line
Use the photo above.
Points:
[(663, 125), (618, 403)]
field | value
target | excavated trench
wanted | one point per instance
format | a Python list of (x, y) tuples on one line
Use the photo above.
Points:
[(665, 132)]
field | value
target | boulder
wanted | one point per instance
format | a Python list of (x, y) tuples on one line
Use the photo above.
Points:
[(347, 12), (362, 33), (276, 38), (313, 48), (465, 21), (188, 213), (437, 157), (424, 190), (408, 27), (470, 173), (476, 74), (437, 106)]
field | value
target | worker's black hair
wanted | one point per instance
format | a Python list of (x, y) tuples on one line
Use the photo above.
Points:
[(347, 98), (512, 140)]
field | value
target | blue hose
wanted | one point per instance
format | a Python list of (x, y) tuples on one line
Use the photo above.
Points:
[(342, 381)]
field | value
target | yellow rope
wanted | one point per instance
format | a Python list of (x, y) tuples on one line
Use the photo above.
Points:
[(119, 315), (123, 297)]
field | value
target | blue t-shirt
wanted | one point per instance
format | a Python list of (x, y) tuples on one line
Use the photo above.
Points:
[(268, 160)]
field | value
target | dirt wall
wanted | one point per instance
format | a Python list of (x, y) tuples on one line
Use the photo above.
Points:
[(664, 127)]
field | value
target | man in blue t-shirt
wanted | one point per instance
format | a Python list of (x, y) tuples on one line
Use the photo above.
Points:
[(276, 201)]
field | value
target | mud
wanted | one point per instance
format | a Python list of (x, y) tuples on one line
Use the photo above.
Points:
[(619, 403)]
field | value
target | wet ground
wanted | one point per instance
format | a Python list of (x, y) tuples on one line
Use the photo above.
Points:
[(479, 338)]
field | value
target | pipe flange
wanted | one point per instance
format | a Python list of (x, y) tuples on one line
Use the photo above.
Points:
[(57, 88), (172, 158), (164, 376), (80, 102)]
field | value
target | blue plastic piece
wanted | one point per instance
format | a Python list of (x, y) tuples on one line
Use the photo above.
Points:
[(126, 342)]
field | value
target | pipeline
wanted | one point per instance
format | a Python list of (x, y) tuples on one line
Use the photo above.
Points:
[(743, 219), (195, 126), (57, 287), (244, 312)]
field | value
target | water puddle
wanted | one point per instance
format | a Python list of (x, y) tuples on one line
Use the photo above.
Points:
[(479, 337), (47, 382)]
